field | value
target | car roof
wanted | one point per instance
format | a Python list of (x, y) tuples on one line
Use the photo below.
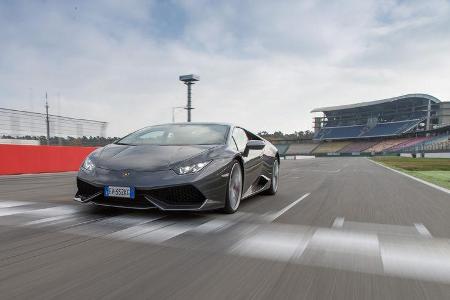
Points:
[(197, 123), (207, 123)]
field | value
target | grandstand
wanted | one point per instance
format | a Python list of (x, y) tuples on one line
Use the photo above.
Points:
[(301, 149), (413, 123), (330, 147), (356, 147), (418, 144), (437, 143), (391, 117), (391, 128), (410, 143), (386, 144)]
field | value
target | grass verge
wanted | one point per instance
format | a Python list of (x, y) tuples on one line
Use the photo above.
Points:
[(434, 170)]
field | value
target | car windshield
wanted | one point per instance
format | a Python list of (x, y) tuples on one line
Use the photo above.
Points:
[(178, 134)]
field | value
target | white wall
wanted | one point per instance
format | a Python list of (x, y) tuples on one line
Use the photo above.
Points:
[(437, 155), (19, 142)]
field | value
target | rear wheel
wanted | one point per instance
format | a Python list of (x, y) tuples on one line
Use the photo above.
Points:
[(275, 176), (234, 191)]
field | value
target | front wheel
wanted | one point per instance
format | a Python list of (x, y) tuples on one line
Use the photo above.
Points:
[(234, 191), (272, 190)]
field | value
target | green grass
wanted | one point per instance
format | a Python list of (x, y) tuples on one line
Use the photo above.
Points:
[(441, 178), (434, 170)]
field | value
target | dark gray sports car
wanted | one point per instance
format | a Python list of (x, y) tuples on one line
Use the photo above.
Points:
[(183, 166)]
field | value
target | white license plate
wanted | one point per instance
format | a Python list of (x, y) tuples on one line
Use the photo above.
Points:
[(119, 191)]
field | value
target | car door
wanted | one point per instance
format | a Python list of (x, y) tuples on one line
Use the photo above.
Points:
[(252, 158)]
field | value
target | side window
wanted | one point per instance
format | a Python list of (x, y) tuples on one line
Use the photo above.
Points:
[(240, 137)]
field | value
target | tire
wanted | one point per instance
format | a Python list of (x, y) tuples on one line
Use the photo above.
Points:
[(234, 189), (272, 190)]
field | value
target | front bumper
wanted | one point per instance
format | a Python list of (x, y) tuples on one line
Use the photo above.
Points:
[(164, 190)]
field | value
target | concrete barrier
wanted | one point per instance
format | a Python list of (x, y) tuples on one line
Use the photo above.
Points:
[(20, 142), (27, 159)]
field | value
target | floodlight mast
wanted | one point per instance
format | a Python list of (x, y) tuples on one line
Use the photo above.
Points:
[(189, 80)]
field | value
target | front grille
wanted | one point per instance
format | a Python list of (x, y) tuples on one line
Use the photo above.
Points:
[(178, 195), (86, 190)]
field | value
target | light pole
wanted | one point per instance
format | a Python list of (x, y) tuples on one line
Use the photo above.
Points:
[(173, 111), (189, 80), (47, 120)]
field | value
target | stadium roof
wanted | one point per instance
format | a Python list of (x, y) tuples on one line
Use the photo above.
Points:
[(369, 103)]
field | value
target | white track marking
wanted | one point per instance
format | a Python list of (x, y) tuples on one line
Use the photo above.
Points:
[(279, 213), (423, 259), (279, 243), (340, 241), (338, 222), (370, 248), (215, 225), (422, 230), (144, 226), (12, 211), (56, 211), (164, 233), (403, 256), (345, 250), (46, 220), (415, 178), (389, 229), (6, 204)]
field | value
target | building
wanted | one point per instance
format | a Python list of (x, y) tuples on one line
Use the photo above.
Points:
[(393, 117)]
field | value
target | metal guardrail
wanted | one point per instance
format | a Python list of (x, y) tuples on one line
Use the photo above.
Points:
[(18, 123)]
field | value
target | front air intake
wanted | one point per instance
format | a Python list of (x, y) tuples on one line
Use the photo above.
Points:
[(178, 195), (86, 190)]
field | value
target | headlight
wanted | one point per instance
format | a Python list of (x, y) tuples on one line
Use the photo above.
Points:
[(191, 168), (88, 165)]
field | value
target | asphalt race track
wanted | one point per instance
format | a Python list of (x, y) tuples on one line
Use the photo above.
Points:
[(341, 228)]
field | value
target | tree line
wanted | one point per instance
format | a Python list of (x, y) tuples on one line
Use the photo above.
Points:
[(278, 135)]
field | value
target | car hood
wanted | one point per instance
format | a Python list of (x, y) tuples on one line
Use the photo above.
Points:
[(146, 157)]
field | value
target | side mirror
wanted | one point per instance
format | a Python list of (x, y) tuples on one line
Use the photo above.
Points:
[(255, 145)]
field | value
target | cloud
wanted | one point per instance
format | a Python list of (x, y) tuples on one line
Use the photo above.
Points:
[(264, 65)]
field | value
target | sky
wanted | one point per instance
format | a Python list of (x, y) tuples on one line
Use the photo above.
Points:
[(263, 64)]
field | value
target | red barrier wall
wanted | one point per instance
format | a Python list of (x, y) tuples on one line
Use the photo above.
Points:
[(26, 159)]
